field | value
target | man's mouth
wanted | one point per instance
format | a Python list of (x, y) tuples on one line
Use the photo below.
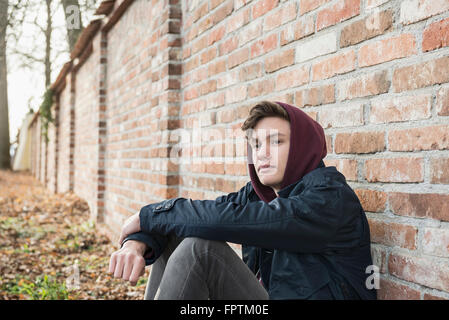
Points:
[(265, 167)]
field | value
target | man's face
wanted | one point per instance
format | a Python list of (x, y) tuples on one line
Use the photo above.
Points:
[(270, 143)]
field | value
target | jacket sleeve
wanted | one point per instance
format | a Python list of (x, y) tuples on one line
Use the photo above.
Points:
[(301, 223), (157, 243)]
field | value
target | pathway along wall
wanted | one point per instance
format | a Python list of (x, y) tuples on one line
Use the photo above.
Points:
[(373, 73)]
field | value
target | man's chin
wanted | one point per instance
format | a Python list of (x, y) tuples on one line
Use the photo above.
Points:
[(269, 182)]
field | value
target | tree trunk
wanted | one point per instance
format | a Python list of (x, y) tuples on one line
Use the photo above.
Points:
[(73, 20), (5, 159), (48, 31)]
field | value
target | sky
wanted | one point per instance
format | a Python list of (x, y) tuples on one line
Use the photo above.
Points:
[(27, 85)]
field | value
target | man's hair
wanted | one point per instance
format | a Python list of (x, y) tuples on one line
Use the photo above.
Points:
[(262, 110)]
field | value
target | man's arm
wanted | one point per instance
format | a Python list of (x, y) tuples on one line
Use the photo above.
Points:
[(302, 223)]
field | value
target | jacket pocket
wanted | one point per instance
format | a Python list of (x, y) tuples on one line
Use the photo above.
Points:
[(165, 205)]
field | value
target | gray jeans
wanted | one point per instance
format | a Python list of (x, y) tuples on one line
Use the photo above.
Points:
[(194, 268)]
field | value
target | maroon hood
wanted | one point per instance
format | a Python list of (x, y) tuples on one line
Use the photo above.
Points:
[(307, 148)]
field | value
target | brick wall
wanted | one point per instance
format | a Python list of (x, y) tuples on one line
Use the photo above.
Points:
[(152, 103), (65, 153)]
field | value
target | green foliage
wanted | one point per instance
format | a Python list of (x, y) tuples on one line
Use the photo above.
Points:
[(43, 288), (45, 112)]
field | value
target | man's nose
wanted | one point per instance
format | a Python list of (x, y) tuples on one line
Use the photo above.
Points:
[(264, 152)]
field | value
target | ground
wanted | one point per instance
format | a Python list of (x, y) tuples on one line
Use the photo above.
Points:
[(49, 249)]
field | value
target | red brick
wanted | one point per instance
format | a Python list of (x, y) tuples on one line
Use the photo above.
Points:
[(420, 205), (215, 168), (394, 170), (385, 50), (328, 143), (292, 78), (309, 5), (372, 200), (236, 93), (228, 46), (417, 10), (251, 71), (429, 272), (222, 12), (430, 296), (366, 85), (199, 12), (359, 142), (343, 116), (265, 45), (370, 4), (346, 166), (417, 139), (393, 234), (238, 57), (260, 88), (341, 11), (315, 96), (436, 242), (443, 101), (251, 31), (421, 75), (436, 35), (398, 109), (376, 24), (392, 290), (216, 34), (238, 19), (379, 255), (263, 6), (281, 16), (279, 60), (216, 67), (236, 168), (299, 29), (199, 44), (439, 170), (339, 64)]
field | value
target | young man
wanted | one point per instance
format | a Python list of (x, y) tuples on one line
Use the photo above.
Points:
[(303, 232)]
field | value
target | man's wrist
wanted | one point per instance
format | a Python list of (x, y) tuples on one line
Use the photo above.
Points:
[(140, 246)]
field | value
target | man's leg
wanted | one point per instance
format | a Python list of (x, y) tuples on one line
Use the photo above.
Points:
[(202, 269), (158, 268)]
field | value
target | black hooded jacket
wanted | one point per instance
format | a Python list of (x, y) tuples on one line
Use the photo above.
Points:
[(310, 242)]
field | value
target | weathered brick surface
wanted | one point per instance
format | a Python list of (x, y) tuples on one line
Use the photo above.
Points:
[(393, 234), (359, 142), (421, 205), (394, 170), (422, 270), (152, 109), (372, 200)]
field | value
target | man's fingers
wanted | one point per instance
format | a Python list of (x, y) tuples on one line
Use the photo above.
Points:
[(128, 267), (119, 267), (138, 269), (112, 263)]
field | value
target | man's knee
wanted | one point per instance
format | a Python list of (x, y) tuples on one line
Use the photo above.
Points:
[(191, 248)]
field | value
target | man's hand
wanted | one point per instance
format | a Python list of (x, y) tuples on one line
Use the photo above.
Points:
[(131, 225), (128, 262)]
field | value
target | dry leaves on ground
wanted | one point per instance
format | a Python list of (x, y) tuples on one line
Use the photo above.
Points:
[(49, 249)]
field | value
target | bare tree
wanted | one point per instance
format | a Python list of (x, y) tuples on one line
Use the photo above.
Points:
[(5, 159)]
